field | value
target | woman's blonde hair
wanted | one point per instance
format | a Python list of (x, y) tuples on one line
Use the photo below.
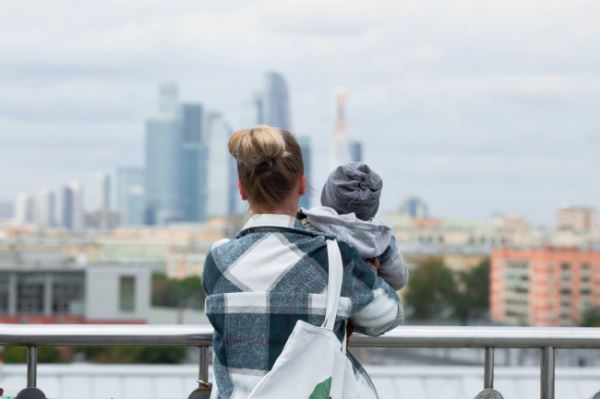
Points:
[(269, 163)]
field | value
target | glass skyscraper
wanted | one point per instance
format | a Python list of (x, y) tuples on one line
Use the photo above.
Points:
[(193, 163), (304, 141), (356, 151), (130, 195), (218, 181), (67, 206), (162, 180), (276, 102)]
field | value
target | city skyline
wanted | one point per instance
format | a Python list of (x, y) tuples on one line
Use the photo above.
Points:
[(481, 109)]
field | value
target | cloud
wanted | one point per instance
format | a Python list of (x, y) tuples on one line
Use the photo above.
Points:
[(467, 92)]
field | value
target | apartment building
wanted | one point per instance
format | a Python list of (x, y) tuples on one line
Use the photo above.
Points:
[(543, 286)]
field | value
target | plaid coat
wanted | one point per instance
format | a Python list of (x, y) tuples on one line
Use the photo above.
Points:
[(271, 275)]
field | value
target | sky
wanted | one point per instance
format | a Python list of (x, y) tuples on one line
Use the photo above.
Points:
[(475, 106)]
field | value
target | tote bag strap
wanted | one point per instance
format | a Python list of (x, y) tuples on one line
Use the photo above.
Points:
[(334, 283)]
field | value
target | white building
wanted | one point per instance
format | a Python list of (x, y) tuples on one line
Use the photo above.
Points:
[(218, 176), (24, 209), (46, 209)]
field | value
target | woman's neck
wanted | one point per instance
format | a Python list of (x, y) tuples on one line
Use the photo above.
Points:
[(287, 210)]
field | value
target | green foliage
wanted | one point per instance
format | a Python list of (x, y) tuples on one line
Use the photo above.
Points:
[(474, 294), (46, 354), (591, 318), (174, 293), (434, 292), (431, 290), (134, 354)]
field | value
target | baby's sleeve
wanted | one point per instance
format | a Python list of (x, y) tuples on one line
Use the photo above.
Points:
[(393, 268)]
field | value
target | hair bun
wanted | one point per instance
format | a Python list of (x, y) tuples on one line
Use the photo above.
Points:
[(256, 146)]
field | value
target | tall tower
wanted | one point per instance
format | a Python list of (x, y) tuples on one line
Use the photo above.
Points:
[(24, 209), (78, 208), (276, 110), (164, 138), (46, 208), (340, 148), (103, 191)]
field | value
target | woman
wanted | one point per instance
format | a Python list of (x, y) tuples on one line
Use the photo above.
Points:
[(274, 272)]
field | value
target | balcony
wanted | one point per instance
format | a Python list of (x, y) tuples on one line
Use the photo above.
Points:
[(548, 340)]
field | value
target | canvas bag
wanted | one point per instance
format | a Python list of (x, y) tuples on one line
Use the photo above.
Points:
[(313, 363)]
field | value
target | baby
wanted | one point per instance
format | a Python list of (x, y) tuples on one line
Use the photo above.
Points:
[(350, 200)]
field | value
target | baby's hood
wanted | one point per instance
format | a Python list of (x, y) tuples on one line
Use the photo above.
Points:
[(370, 238)]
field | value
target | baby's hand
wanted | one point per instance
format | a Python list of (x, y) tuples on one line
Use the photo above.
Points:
[(374, 263)]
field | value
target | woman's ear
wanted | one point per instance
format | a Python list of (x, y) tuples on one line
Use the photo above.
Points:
[(243, 193), (302, 185)]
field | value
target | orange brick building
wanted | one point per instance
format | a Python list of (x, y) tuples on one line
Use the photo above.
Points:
[(543, 286)]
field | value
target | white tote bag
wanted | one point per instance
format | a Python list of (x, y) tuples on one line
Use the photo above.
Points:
[(313, 363)]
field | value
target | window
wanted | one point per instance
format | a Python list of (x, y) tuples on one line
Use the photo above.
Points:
[(30, 293), (4, 293), (127, 294), (67, 294)]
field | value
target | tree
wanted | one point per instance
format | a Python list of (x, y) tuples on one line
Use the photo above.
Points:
[(431, 291), (474, 292), (591, 317), (435, 292), (175, 293)]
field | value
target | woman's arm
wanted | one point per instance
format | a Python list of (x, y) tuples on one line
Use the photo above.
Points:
[(376, 307)]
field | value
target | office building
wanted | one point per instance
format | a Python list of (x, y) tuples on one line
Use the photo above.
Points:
[(24, 209), (415, 208), (543, 286), (46, 209), (78, 207), (356, 151), (130, 195), (193, 163), (578, 219), (67, 207), (340, 148), (218, 181), (304, 142), (276, 102), (163, 160), (50, 288), (103, 193)]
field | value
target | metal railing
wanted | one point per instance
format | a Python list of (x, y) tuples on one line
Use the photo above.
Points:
[(486, 338)]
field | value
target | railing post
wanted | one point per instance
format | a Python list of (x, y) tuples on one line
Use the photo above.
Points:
[(31, 366), (547, 373), (488, 375), (31, 392), (203, 365), (204, 387)]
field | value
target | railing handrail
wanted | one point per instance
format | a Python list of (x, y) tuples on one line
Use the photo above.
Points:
[(201, 335)]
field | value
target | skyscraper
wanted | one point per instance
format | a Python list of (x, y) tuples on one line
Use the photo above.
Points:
[(46, 209), (304, 141), (168, 98), (67, 207), (193, 163), (78, 208), (24, 209), (163, 160), (103, 191), (340, 148), (356, 151), (130, 195), (276, 102), (218, 178)]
